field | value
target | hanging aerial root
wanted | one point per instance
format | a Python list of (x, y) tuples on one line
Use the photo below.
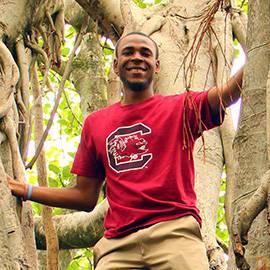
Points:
[(189, 60), (22, 96), (61, 89), (60, 25), (10, 78), (24, 75), (39, 50), (191, 57), (8, 127), (56, 29), (99, 40)]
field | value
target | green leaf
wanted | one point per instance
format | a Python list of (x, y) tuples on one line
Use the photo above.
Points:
[(236, 53), (53, 182), (47, 108), (72, 154), (51, 153), (57, 211), (65, 51), (142, 5), (63, 122), (88, 253), (66, 172), (54, 168), (68, 131), (73, 266)]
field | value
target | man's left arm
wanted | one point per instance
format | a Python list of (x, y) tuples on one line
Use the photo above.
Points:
[(227, 93)]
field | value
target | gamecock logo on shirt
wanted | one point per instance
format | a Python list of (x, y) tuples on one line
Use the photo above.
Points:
[(127, 148)]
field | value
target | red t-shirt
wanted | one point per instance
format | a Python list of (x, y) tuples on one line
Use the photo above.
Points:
[(144, 151)]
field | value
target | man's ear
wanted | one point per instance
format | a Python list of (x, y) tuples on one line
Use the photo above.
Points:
[(157, 66), (115, 66)]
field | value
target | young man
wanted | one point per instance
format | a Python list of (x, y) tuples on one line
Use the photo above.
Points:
[(142, 146)]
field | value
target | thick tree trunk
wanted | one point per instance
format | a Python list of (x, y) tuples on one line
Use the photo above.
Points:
[(250, 148), (88, 75)]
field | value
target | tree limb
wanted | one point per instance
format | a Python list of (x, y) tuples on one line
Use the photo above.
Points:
[(51, 236), (76, 230), (39, 50), (242, 220), (11, 76), (223, 245), (239, 24), (22, 96), (110, 22)]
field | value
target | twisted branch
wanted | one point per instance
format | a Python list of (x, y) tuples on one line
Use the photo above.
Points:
[(242, 221), (39, 50), (10, 77), (61, 88)]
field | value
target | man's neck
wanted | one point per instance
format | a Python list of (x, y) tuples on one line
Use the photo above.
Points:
[(131, 97)]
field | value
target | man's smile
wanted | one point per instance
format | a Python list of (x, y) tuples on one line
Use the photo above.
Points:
[(136, 69)]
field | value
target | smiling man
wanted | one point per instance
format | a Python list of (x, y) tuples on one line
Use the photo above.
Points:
[(136, 63), (138, 146)]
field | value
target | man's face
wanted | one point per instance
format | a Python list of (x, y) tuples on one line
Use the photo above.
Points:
[(136, 63)]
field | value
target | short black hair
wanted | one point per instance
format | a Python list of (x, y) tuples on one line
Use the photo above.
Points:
[(135, 33)]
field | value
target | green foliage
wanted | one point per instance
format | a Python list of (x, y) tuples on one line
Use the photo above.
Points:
[(141, 3), (145, 4), (221, 228), (236, 50), (69, 41), (82, 260), (243, 4), (108, 51)]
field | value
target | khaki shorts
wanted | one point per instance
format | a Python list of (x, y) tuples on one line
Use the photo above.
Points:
[(170, 245)]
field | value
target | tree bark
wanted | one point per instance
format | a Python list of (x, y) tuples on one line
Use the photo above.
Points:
[(250, 148), (76, 230)]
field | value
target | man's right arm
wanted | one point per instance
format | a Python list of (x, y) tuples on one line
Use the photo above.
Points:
[(226, 94), (83, 196)]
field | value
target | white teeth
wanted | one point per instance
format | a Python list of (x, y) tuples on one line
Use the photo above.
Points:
[(136, 69)]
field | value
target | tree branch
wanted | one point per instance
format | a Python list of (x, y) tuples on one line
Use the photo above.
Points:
[(22, 96), (110, 22), (61, 88), (39, 50), (51, 236), (76, 230), (242, 220), (11, 76)]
